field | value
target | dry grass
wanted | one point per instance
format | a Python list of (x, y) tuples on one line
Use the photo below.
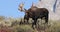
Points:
[(53, 26)]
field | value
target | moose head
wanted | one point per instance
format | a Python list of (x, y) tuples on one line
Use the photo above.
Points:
[(21, 7)]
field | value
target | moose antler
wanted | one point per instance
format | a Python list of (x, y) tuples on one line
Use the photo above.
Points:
[(33, 7), (21, 7), (32, 4)]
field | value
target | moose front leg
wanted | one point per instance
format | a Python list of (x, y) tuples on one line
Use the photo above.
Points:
[(26, 19), (34, 23)]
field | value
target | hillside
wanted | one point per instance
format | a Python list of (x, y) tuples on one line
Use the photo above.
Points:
[(49, 5), (11, 24)]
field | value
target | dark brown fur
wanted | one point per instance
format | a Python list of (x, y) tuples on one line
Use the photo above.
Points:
[(35, 14)]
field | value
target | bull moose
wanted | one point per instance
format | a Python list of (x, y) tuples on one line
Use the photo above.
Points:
[(35, 13)]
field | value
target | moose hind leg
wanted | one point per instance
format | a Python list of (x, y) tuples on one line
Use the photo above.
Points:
[(46, 20)]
